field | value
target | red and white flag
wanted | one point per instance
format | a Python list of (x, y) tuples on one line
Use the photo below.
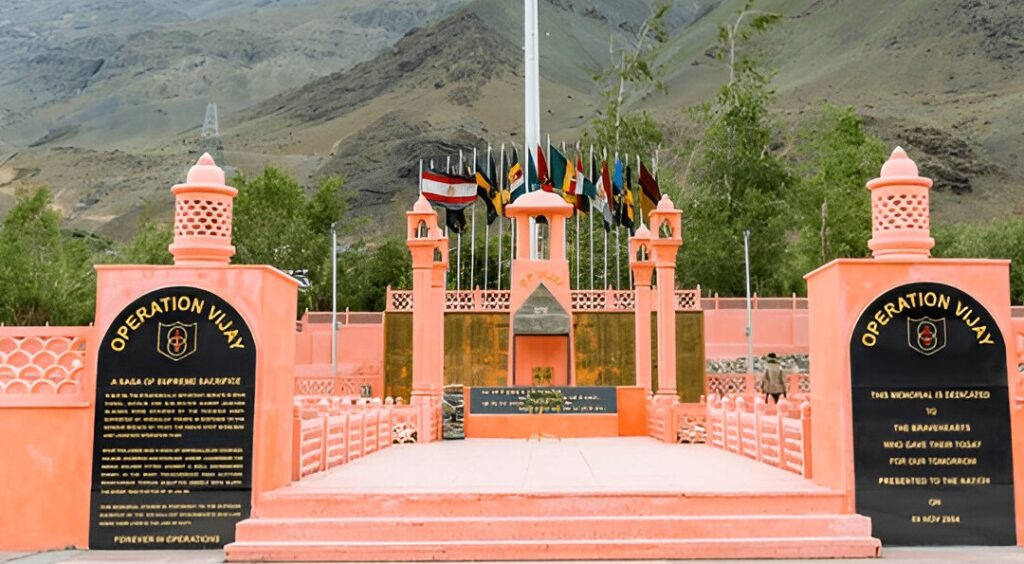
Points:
[(451, 191)]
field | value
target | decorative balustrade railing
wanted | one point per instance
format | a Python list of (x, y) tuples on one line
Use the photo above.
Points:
[(43, 365), (775, 435), (798, 385), (358, 384), (328, 432), (498, 300)]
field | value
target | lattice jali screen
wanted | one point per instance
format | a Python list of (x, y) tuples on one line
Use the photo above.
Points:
[(726, 384), (42, 364), (495, 300), (623, 300), (459, 300), (588, 300), (202, 218), (401, 300), (900, 211), (305, 386), (687, 300)]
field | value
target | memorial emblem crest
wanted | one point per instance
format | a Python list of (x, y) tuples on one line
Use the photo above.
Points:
[(176, 340), (926, 335)]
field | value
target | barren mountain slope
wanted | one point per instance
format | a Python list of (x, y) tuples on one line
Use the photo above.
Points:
[(132, 74), (940, 77)]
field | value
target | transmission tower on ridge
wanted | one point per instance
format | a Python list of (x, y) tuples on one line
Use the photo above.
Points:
[(209, 139), (210, 126)]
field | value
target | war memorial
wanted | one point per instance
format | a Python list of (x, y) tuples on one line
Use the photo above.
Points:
[(540, 421), (192, 413)]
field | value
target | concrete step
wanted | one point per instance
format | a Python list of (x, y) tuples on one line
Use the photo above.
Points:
[(540, 528), (574, 549), (302, 504)]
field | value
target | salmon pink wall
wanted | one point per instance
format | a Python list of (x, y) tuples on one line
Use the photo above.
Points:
[(266, 299), (782, 331), (45, 435), (838, 293), (45, 474)]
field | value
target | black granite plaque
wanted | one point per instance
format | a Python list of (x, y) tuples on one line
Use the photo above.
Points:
[(931, 424), (585, 400), (172, 450)]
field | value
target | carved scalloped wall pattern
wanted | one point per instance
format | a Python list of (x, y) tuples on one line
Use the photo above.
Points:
[(44, 365)]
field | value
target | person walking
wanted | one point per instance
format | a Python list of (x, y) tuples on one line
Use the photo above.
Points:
[(773, 381)]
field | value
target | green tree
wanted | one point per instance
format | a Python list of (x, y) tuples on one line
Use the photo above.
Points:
[(276, 223), (632, 68), (1000, 239), (46, 276), (364, 274), (735, 181), (149, 246), (836, 157)]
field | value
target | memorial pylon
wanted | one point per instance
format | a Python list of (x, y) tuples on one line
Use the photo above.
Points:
[(912, 386), (640, 261), (666, 238), (541, 333), (429, 250)]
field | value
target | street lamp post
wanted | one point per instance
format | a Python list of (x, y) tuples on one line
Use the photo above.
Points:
[(750, 316), (334, 300)]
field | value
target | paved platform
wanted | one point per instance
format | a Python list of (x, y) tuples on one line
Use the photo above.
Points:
[(624, 464), (903, 555)]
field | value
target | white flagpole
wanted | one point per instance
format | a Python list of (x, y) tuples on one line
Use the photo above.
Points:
[(590, 226), (512, 231), (421, 176), (547, 149), (640, 189), (472, 233), (501, 216), (605, 252), (531, 104), (487, 225), (458, 274), (447, 170), (619, 226)]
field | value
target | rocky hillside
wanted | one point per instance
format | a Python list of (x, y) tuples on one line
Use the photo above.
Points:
[(102, 99)]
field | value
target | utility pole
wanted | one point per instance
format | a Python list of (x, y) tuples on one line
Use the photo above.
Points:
[(334, 299), (750, 313)]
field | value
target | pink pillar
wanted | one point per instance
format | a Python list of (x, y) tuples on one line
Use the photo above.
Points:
[(666, 239), (640, 262), (428, 264)]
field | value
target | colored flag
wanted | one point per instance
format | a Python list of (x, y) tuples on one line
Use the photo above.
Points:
[(516, 182), (455, 220), (609, 190), (451, 191), (627, 211), (602, 200), (557, 168), (543, 180), (649, 191), (585, 189), (617, 203), (486, 189), (563, 177)]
